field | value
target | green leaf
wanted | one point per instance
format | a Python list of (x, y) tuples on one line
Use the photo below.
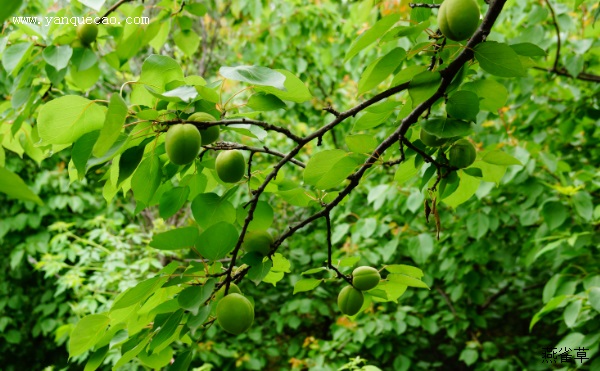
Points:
[(550, 306), (306, 284), (584, 205), (138, 293), (146, 179), (193, 297), (187, 40), (528, 50), (328, 169), (133, 352), (407, 280), (15, 56), (209, 209), (497, 157), (571, 313), (157, 71), (157, 360), (172, 201), (381, 68), (493, 95), (12, 185), (423, 86), (82, 150), (9, 8), (195, 321), (296, 197), (66, 119), (217, 241), (259, 271), (499, 59), (372, 34), (255, 75), (466, 189), (361, 143), (295, 89), (469, 356), (96, 359), (113, 123), (594, 298), (463, 105), (405, 269), (555, 214), (86, 333), (406, 171), (407, 74), (262, 218), (129, 161), (370, 120), (180, 238), (57, 56), (182, 93), (446, 127), (265, 102)]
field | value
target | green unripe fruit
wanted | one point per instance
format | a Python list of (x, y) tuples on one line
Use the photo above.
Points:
[(365, 278), (431, 140), (182, 143), (77, 44), (233, 289), (458, 19), (462, 154), (350, 300), (87, 32), (235, 314), (230, 166), (211, 133), (259, 241)]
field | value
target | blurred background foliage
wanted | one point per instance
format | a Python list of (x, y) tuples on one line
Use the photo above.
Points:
[(521, 253)]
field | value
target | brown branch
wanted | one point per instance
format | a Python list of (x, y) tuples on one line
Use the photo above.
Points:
[(562, 72), (447, 300), (557, 58), (329, 252), (112, 9), (227, 146)]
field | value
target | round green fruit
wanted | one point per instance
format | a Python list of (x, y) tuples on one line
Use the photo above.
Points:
[(87, 32), (431, 140), (77, 44), (235, 314), (462, 154), (365, 278), (233, 289), (458, 19), (230, 166), (350, 300), (259, 241), (211, 133), (182, 143)]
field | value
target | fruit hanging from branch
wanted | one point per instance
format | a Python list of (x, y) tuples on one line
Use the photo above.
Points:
[(365, 278), (211, 133), (230, 166), (462, 154), (350, 300), (235, 313), (458, 19), (182, 143), (87, 33)]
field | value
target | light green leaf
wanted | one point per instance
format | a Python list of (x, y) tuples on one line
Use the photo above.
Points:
[(262, 218), (15, 56), (528, 50), (137, 293), (187, 40), (361, 143), (209, 209), (466, 189), (180, 238), (407, 280), (405, 171), (157, 71), (328, 169), (12, 185), (172, 201), (306, 284), (372, 34), (217, 241), (497, 157), (295, 90), (146, 179), (66, 119), (191, 298), (381, 68), (82, 150), (255, 75), (57, 56), (8, 8), (594, 298), (265, 102), (550, 306), (405, 269), (113, 123), (499, 59), (86, 333), (493, 95)]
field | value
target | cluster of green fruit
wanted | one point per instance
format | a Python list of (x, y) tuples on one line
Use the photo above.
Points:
[(458, 19), (461, 154), (351, 298), (183, 143)]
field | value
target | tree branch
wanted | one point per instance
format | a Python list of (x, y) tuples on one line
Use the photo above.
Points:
[(112, 9), (562, 72), (420, 5), (227, 146), (557, 58)]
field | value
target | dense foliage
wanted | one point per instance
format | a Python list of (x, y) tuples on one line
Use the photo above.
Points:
[(348, 116)]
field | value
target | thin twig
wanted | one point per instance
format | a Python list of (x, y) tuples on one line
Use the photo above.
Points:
[(420, 5), (112, 9), (227, 146), (557, 58), (329, 252)]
